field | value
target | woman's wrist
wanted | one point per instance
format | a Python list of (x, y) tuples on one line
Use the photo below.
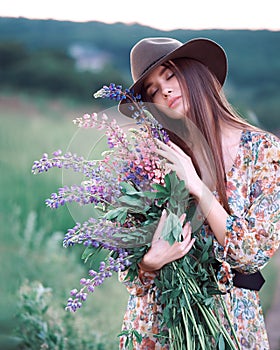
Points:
[(148, 263), (200, 191)]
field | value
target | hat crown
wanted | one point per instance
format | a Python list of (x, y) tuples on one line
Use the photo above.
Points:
[(148, 51)]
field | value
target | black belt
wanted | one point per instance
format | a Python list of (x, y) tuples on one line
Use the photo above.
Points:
[(253, 281)]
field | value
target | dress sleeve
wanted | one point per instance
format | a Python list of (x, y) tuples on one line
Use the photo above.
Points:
[(253, 238), (141, 284)]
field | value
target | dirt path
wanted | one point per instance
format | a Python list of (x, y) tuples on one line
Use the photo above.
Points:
[(273, 315)]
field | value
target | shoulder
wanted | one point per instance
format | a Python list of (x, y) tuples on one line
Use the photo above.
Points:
[(259, 136), (265, 146)]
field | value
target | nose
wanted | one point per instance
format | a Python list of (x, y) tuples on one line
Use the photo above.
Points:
[(166, 92)]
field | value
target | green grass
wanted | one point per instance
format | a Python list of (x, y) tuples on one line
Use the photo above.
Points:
[(271, 274), (31, 234)]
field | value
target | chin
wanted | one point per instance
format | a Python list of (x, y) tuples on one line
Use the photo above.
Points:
[(177, 115)]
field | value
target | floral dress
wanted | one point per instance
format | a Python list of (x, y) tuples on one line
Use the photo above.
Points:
[(252, 237)]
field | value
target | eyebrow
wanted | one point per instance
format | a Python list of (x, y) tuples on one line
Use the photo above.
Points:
[(161, 72)]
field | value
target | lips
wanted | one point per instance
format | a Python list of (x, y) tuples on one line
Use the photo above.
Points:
[(173, 101)]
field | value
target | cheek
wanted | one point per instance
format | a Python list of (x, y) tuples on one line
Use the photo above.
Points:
[(158, 99)]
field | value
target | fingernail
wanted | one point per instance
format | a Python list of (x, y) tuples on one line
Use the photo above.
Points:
[(163, 212)]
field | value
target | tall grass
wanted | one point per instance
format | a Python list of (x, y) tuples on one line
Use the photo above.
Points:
[(31, 234)]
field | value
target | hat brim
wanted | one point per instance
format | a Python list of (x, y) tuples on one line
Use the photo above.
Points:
[(204, 50)]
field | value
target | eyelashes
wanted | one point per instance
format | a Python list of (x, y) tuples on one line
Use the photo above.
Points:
[(154, 93), (168, 76)]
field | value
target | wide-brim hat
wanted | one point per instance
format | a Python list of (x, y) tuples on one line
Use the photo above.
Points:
[(149, 53)]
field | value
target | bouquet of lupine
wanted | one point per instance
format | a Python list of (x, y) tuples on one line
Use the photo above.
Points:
[(129, 188)]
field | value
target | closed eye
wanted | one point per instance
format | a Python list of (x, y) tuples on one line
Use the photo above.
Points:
[(171, 75), (154, 93)]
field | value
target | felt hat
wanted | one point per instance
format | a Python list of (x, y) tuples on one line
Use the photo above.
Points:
[(149, 53)]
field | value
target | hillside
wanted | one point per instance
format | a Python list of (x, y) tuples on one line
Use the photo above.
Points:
[(254, 66)]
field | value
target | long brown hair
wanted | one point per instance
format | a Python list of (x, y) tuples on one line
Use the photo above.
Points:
[(207, 107)]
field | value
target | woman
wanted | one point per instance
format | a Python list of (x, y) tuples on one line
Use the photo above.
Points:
[(233, 171)]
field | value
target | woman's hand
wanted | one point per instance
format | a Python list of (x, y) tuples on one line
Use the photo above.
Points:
[(182, 165), (161, 252), (210, 207)]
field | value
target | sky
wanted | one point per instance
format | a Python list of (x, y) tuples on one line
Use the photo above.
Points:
[(163, 14)]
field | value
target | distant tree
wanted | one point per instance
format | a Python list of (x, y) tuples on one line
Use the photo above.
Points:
[(11, 53)]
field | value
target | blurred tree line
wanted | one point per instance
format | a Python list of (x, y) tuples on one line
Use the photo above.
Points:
[(51, 71), (35, 55)]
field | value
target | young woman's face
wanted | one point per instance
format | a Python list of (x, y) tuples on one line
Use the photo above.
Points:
[(163, 89)]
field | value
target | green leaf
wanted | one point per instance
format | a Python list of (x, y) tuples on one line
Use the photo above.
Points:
[(161, 189), (156, 195), (221, 344), (138, 336), (88, 252), (131, 201), (173, 179), (126, 187), (172, 229), (150, 195), (167, 181), (119, 214), (204, 257)]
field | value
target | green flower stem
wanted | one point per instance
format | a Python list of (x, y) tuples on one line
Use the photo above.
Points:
[(176, 336), (189, 306), (188, 337), (221, 328), (223, 304), (199, 329), (209, 317)]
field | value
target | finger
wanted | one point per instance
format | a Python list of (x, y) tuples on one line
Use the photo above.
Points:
[(159, 142), (189, 246), (162, 153), (167, 154), (162, 145), (182, 218), (169, 167), (176, 148), (171, 145), (160, 226), (187, 230), (171, 152)]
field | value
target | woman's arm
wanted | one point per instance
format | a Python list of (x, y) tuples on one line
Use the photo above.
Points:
[(212, 210), (246, 240)]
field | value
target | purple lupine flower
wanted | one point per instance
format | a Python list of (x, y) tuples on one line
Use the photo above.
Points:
[(115, 92), (67, 161), (97, 278), (106, 234), (83, 194), (112, 92)]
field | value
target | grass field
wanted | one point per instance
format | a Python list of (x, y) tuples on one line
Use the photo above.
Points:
[(31, 234)]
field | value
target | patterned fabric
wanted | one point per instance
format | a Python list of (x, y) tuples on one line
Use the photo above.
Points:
[(252, 237)]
